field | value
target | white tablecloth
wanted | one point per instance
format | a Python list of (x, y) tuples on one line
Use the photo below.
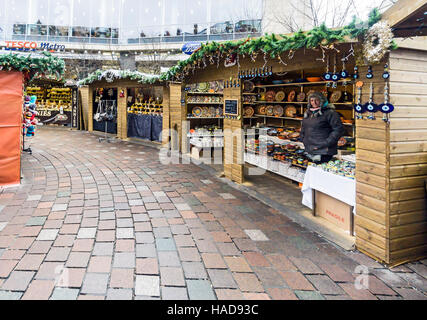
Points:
[(338, 187)]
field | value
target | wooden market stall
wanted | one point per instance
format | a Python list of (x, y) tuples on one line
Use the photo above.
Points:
[(135, 107), (17, 70), (266, 87)]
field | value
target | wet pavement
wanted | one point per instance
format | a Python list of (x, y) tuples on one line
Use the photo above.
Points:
[(98, 220)]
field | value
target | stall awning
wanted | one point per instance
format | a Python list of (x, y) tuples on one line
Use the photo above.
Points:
[(408, 18)]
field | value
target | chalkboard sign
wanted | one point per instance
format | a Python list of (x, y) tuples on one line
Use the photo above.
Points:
[(230, 107)]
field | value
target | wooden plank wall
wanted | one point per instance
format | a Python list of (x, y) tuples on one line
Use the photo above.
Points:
[(408, 155), (233, 143), (372, 140), (166, 115), (177, 115), (84, 94), (122, 114)]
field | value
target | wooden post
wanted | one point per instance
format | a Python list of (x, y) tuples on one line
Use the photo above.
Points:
[(177, 115), (87, 112), (233, 139), (122, 127), (166, 115)]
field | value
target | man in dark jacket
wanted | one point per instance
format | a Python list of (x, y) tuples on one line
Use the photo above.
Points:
[(321, 129)]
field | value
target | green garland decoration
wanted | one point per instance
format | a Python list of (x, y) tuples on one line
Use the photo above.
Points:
[(274, 46), (112, 74), (46, 65)]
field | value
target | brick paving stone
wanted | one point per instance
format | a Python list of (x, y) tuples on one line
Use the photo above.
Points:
[(162, 232), (47, 234), (125, 223), (18, 281), (174, 293), (308, 295), (122, 278), (147, 266), (21, 243), (256, 259), (30, 262), (189, 254), (171, 276), (125, 245), (220, 236), (200, 290), (64, 294), (378, 287), (89, 222), (69, 229), (119, 294), (282, 294), (78, 260), (144, 237), (306, 266), (415, 281), (6, 267), (39, 290), (269, 277), (63, 240), (12, 254), (213, 261), (71, 278), (36, 221), (281, 262), (184, 241), (95, 283), (221, 278), (229, 294), (147, 286), (179, 229), (124, 260), (40, 247), (50, 271), (296, 280), (408, 294), (146, 250), (103, 249), (248, 282), (228, 249), (165, 244), (336, 273), (9, 295), (169, 259), (86, 233), (58, 254), (142, 226), (107, 225), (255, 296), (30, 231), (324, 284), (390, 278), (83, 245), (100, 264), (356, 294), (105, 235), (194, 270)]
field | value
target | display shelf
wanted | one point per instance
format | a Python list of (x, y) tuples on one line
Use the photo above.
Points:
[(204, 93), (288, 118), (277, 140), (277, 167), (216, 103), (205, 117), (296, 84)]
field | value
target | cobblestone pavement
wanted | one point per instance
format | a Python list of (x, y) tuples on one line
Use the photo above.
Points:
[(108, 221)]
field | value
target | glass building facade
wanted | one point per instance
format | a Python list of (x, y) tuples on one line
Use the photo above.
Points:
[(129, 21)]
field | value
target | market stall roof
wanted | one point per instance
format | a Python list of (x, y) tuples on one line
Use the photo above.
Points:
[(111, 75), (407, 18), (272, 45), (33, 65)]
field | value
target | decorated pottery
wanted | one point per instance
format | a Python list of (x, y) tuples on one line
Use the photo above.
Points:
[(280, 96), (290, 111), (291, 96), (278, 111)]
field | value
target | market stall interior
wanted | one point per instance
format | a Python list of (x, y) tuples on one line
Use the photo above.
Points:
[(105, 110), (145, 113), (54, 101)]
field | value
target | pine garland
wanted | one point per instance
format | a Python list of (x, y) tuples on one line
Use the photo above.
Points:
[(47, 65), (112, 74)]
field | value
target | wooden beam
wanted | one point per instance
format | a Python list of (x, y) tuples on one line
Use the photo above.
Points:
[(402, 11)]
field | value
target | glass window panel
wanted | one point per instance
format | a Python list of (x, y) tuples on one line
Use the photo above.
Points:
[(151, 13), (60, 12), (105, 13), (17, 12), (38, 11), (196, 11), (81, 13)]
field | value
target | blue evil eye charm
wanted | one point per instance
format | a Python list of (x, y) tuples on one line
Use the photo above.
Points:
[(335, 77), (371, 107), (369, 75), (327, 76), (359, 108), (386, 108), (386, 75), (344, 74)]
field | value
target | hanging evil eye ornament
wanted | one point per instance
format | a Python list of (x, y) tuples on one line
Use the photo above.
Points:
[(356, 73), (358, 107), (386, 107), (370, 106), (328, 75), (344, 73), (335, 76), (386, 73), (369, 75)]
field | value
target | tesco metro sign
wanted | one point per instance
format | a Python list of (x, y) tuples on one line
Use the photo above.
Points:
[(32, 46)]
